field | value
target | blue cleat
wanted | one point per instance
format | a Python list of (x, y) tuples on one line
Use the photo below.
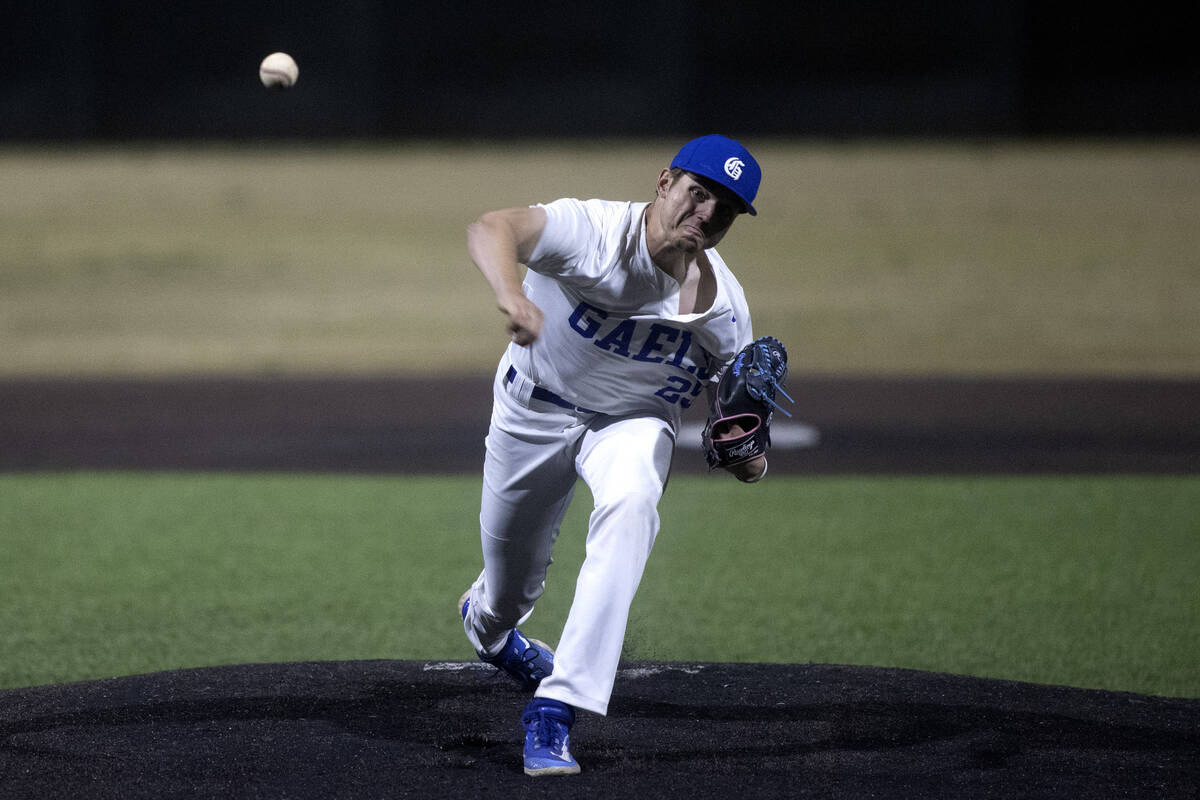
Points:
[(548, 738), (525, 660)]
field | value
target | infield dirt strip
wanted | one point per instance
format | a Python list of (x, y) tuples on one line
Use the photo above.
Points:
[(437, 425), (386, 729)]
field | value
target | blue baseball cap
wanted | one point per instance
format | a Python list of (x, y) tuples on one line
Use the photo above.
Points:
[(723, 160)]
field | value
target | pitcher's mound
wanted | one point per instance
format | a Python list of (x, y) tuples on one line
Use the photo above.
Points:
[(385, 729)]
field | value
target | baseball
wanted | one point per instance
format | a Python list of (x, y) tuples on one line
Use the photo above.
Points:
[(278, 71)]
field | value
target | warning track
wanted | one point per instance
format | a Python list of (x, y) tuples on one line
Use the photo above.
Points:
[(428, 425)]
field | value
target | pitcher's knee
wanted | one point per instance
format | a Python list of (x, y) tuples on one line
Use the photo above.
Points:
[(631, 514)]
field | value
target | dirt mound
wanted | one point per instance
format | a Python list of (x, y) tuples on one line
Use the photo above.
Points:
[(370, 729)]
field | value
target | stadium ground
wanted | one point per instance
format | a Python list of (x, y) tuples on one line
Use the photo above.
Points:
[(389, 729), (370, 729), (841, 425)]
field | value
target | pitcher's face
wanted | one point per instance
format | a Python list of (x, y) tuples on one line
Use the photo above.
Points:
[(694, 213)]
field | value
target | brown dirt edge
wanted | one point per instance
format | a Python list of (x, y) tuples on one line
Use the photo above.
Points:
[(367, 729), (436, 425)]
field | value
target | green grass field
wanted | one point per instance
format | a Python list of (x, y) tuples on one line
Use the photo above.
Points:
[(1068, 580), (867, 258)]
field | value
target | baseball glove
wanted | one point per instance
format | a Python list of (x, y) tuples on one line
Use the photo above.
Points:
[(745, 400)]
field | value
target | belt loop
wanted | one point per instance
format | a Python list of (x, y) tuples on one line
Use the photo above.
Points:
[(518, 385)]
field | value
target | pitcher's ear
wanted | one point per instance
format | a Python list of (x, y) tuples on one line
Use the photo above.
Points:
[(665, 179)]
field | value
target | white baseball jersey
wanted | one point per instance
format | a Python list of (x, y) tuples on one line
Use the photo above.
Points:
[(613, 339)]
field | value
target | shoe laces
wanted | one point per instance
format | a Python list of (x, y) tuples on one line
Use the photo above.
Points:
[(548, 731), (529, 660)]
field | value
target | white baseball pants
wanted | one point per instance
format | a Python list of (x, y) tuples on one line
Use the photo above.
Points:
[(535, 452)]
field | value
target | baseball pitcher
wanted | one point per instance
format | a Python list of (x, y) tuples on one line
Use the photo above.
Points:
[(625, 317)]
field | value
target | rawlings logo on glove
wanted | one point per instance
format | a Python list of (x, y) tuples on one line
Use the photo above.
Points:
[(739, 424)]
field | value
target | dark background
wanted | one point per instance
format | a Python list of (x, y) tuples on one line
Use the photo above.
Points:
[(127, 69)]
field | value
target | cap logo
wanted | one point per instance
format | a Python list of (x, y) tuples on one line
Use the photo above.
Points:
[(733, 167)]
